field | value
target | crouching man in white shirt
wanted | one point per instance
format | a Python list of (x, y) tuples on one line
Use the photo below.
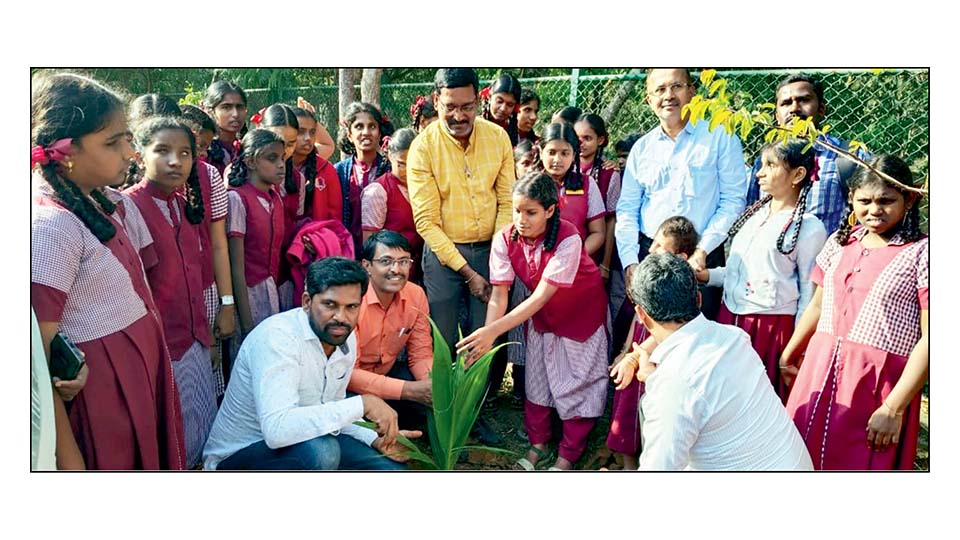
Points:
[(285, 405), (708, 403)]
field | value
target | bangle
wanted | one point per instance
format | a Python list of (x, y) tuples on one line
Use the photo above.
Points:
[(471, 277), (895, 413), (602, 267)]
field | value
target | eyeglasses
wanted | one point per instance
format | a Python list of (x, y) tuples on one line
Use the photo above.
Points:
[(469, 108), (661, 91), (387, 262)]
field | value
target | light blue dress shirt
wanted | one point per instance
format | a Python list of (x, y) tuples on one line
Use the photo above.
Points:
[(701, 176)]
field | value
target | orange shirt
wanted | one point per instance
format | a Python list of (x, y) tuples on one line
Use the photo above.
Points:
[(381, 336)]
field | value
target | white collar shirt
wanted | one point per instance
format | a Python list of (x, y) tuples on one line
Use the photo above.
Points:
[(285, 390), (710, 406)]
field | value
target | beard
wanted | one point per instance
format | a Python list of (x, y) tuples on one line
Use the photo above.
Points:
[(324, 335)]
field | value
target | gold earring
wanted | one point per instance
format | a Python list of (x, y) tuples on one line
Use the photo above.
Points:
[(69, 166), (852, 220)]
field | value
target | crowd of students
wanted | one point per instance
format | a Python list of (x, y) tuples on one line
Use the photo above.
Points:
[(164, 234)]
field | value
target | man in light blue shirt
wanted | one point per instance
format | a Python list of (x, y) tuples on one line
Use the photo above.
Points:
[(680, 169)]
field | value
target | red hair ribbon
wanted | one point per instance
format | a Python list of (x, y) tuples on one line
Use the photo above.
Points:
[(258, 118), (417, 105), (485, 93), (815, 170), (55, 151), (383, 145), (384, 119)]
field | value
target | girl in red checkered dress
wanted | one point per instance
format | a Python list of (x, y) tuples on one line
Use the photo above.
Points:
[(87, 281), (861, 345)]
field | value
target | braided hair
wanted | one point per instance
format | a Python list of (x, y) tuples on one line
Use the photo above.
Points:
[(505, 84), (216, 93), (310, 163), (599, 127), (573, 180), (540, 187), (909, 228), (422, 108), (280, 115), (71, 106), (790, 154), (354, 109), (253, 143), (144, 136)]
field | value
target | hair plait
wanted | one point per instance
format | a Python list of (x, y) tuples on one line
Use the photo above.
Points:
[(253, 142), (540, 187)]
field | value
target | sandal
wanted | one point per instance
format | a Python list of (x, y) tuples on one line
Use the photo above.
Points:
[(526, 465)]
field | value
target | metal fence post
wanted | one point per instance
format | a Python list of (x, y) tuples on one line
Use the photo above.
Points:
[(574, 81)]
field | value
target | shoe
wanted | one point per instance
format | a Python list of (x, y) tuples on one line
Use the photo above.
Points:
[(516, 402), (485, 435)]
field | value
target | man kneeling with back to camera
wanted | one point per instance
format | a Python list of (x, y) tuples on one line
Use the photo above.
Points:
[(708, 403)]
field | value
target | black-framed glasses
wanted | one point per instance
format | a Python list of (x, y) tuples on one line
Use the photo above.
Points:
[(661, 91), (469, 108), (388, 262)]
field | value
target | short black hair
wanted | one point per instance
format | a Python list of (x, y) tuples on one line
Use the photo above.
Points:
[(665, 286), (335, 272), (456, 78), (683, 232), (391, 239), (802, 77)]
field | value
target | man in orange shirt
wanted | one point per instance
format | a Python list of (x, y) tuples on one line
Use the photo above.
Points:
[(393, 317)]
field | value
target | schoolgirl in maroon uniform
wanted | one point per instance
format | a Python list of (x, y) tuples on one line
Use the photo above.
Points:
[(592, 133), (87, 281), (255, 228), (226, 103), (499, 104), (322, 195), (527, 112), (361, 135), (386, 202), (170, 199), (281, 119), (566, 365)]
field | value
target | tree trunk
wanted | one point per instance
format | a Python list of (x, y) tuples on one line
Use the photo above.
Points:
[(623, 93), (370, 86)]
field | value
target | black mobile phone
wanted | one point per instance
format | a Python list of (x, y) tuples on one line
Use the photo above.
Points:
[(65, 358)]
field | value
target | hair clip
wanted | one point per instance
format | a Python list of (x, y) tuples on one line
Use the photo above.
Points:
[(417, 105), (386, 141), (485, 93), (257, 118)]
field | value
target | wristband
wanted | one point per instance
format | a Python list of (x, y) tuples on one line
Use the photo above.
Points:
[(226, 300)]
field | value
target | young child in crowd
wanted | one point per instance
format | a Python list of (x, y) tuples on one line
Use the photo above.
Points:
[(87, 282), (322, 196), (773, 246), (862, 343), (386, 202), (675, 235), (566, 367), (527, 116), (500, 104), (592, 133), (255, 228), (226, 103), (171, 201), (282, 120), (580, 197), (361, 135), (422, 113)]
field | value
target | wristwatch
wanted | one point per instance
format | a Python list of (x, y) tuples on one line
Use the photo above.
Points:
[(226, 300)]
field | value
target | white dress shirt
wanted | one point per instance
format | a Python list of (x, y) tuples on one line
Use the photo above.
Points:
[(284, 390), (700, 176), (760, 279), (710, 406)]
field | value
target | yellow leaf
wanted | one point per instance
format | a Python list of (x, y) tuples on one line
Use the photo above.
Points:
[(770, 136), (718, 118), (745, 127), (807, 147), (716, 84), (770, 106), (707, 75), (825, 129)]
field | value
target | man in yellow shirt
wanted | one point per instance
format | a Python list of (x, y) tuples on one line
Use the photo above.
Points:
[(460, 174)]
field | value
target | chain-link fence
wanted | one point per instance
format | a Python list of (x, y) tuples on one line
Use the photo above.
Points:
[(888, 111)]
